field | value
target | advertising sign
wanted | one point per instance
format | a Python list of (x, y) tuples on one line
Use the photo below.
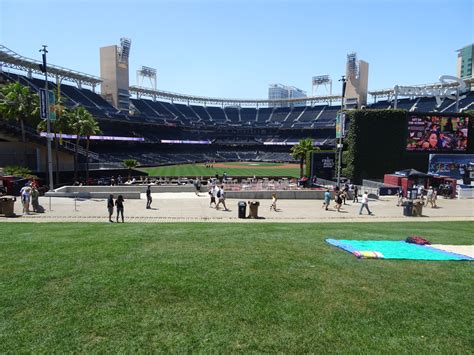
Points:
[(44, 105), (323, 164), (437, 133)]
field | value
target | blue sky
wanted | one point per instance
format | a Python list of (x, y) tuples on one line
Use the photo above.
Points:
[(236, 48)]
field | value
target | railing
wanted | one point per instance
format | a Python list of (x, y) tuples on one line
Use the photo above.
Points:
[(105, 166), (376, 184), (72, 147)]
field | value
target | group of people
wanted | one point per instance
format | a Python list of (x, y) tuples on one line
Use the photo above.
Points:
[(217, 196), (340, 196), (431, 195), (29, 196), (118, 203)]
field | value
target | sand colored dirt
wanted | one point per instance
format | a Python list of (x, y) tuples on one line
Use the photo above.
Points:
[(467, 250)]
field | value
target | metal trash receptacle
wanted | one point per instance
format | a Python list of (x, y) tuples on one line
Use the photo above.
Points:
[(408, 208), (242, 209), (253, 206), (8, 205)]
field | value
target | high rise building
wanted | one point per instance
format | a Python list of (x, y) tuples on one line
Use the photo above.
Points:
[(283, 92), (464, 64)]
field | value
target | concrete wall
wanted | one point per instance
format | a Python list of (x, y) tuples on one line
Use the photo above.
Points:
[(134, 191), (356, 88), (108, 73), (11, 153), (115, 75)]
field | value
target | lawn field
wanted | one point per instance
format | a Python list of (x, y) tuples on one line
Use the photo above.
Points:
[(220, 288), (232, 169)]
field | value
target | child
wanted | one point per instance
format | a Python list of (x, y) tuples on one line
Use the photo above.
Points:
[(274, 202)]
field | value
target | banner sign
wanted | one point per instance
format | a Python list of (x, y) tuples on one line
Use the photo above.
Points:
[(340, 125), (452, 165), (44, 105), (323, 164), (95, 138)]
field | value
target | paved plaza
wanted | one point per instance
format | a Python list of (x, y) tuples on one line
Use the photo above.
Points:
[(186, 206)]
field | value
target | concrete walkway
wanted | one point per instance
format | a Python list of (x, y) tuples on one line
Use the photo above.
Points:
[(187, 207)]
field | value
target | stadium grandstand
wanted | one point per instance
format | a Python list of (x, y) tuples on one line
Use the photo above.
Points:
[(160, 127)]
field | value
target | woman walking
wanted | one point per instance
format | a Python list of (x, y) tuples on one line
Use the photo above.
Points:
[(119, 205)]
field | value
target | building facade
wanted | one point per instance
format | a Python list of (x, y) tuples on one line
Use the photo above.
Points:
[(283, 92)]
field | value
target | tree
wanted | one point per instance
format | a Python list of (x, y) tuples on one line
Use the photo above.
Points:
[(18, 171), (77, 119), (60, 125), (19, 104), (301, 151), (90, 127), (130, 164)]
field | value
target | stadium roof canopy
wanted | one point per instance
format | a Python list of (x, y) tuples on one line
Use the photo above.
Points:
[(391, 92), (10, 59), (158, 94)]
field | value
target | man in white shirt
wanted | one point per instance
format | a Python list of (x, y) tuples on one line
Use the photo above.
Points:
[(213, 194), (221, 198), (365, 203)]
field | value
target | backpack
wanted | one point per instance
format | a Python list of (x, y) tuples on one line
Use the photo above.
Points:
[(219, 193)]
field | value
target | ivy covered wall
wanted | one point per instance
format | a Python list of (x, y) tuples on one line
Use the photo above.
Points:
[(375, 144)]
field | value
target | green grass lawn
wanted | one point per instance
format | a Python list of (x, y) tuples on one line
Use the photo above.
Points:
[(221, 288), (263, 169)]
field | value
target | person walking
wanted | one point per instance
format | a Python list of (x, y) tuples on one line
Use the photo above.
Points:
[(34, 199), (148, 197), (25, 194), (327, 199), (197, 185), (212, 195), (365, 203), (221, 196), (273, 206), (338, 200), (119, 205), (356, 194), (110, 207)]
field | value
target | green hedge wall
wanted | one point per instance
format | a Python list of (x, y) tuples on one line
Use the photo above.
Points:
[(375, 144)]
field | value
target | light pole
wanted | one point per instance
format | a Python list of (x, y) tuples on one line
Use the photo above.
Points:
[(44, 69), (341, 132)]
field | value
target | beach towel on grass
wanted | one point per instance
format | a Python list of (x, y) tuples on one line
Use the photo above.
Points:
[(388, 249)]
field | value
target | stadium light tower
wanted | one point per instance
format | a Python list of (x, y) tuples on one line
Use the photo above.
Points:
[(124, 49), (146, 72), (319, 80)]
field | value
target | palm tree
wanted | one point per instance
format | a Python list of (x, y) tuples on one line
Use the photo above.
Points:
[(90, 127), (301, 150), (130, 164), (77, 118), (19, 104), (60, 125)]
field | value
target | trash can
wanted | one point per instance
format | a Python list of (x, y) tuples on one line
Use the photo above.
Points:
[(253, 206), (418, 208), (408, 208), (242, 209), (7, 205)]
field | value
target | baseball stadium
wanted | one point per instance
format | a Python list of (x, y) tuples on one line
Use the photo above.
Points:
[(135, 219)]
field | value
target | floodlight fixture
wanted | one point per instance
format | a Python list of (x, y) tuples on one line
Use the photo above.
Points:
[(124, 49)]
